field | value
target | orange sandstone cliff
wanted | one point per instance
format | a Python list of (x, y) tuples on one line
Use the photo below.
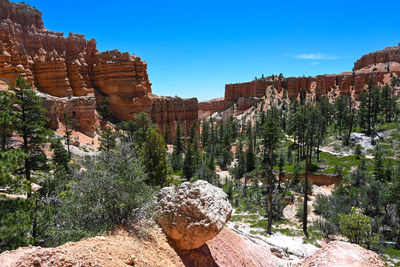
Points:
[(388, 55), (380, 66), (74, 76)]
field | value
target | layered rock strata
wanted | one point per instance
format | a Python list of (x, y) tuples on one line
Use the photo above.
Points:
[(380, 66), (208, 107), (321, 85), (387, 55), (79, 108), (72, 66)]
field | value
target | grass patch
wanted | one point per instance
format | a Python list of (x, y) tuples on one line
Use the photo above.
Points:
[(393, 253), (287, 231), (260, 224), (314, 236), (248, 218)]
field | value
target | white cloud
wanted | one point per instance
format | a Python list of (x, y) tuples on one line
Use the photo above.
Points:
[(313, 56), (314, 63)]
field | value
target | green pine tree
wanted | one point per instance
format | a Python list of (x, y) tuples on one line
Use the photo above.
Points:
[(30, 125), (6, 118), (155, 158), (60, 156), (107, 139)]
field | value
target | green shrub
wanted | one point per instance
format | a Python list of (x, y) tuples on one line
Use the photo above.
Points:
[(15, 223), (357, 228), (110, 189), (313, 167), (321, 205), (338, 170), (327, 228), (358, 151), (300, 210)]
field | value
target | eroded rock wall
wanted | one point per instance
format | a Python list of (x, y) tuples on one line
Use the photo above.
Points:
[(389, 54), (321, 84), (72, 67), (208, 107)]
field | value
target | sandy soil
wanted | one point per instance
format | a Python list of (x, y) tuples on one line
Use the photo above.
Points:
[(147, 248), (87, 145)]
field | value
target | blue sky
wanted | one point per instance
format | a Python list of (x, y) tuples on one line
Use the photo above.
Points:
[(193, 48)]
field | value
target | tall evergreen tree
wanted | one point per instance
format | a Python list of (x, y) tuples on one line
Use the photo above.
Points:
[(155, 158), (205, 133), (70, 124), (189, 162), (104, 109), (192, 159), (179, 147), (30, 124), (6, 118), (311, 115), (281, 170), (271, 136), (60, 156), (250, 158), (369, 97), (135, 130), (379, 172), (362, 113), (107, 139)]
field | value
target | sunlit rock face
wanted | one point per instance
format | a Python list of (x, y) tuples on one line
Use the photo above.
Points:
[(389, 54), (72, 66)]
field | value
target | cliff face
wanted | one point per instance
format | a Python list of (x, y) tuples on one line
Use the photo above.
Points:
[(72, 66), (389, 54), (343, 84), (209, 107), (378, 65)]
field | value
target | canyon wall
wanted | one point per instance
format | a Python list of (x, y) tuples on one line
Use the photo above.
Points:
[(321, 84), (209, 107), (73, 67), (380, 65), (389, 54), (245, 94)]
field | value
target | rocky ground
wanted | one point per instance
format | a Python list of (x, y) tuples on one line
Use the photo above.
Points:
[(287, 240), (128, 246), (189, 213)]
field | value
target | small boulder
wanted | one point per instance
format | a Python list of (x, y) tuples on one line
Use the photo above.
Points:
[(76, 143), (192, 213)]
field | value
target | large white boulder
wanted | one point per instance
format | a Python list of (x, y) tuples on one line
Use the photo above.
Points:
[(192, 213)]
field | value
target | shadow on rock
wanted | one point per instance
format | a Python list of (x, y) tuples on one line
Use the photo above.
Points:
[(199, 257)]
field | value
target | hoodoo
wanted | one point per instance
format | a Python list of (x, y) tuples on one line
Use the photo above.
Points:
[(72, 66)]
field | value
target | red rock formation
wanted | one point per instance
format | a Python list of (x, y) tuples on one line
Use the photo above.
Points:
[(343, 83), (389, 54), (322, 84), (81, 109), (245, 103), (208, 107), (72, 66)]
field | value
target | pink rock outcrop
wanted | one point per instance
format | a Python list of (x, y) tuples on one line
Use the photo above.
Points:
[(338, 254)]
